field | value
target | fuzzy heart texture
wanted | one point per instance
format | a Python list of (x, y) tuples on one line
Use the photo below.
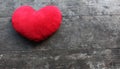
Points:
[(36, 25)]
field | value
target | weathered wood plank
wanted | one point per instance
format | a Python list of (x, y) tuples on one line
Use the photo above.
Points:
[(89, 37)]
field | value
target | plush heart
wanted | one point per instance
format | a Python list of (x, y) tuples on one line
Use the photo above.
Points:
[(36, 25)]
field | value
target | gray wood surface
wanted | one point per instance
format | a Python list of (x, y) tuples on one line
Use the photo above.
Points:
[(89, 37)]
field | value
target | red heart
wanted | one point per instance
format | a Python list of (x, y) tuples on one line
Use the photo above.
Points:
[(36, 25)]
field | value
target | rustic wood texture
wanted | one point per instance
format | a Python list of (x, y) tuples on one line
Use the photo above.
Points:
[(89, 37)]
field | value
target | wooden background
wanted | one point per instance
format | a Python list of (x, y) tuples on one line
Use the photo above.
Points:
[(89, 37)]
